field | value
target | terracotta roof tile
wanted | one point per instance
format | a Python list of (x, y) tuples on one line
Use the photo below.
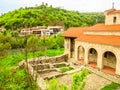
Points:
[(77, 31), (110, 40), (73, 32), (103, 27), (112, 11)]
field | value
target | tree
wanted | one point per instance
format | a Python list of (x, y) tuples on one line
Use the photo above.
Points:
[(33, 44), (48, 15), (60, 41), (4, 46)]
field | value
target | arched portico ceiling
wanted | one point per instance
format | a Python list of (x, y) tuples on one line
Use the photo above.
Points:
[(92, 57), (109, 62), (114, 51), (81, 52)]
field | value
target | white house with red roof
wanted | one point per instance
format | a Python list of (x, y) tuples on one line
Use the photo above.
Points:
[(97, 46)]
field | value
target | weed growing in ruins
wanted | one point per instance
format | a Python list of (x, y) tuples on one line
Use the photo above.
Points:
[(78, 82), (63, 87), (53, 84), (65, 69)]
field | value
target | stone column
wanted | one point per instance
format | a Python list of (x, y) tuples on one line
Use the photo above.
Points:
[(86, 57), (117, 65), (100, 60), (76, 52), (67, 46)]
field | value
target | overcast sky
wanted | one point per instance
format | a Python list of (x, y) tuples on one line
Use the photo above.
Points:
[(78, 5)]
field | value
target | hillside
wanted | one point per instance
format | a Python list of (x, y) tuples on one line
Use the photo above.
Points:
[(48, 15)]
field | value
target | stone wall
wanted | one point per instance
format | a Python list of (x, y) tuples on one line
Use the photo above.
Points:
[(109, 18), (43, 65), (92, 58), (56, 59), (69, 46)]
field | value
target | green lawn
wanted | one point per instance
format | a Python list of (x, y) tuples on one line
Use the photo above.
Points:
[(18, 79)]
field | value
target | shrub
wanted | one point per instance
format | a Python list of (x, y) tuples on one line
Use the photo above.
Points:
[(63, 87), (112, 86), (53, 84), (77, 81), (65, 69)]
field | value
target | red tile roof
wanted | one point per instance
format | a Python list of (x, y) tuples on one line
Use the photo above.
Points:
[(78, 33), (73, 32), (103, 27), (110, 40), (112, 11)]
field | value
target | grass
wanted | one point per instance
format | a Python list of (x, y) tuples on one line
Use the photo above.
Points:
[(112, 86), (54, 52), (18, 79), (65, 69)]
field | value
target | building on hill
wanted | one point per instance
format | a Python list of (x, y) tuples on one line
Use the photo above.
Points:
[(97, 46), (32, 30), (42, 30), (52, 30)]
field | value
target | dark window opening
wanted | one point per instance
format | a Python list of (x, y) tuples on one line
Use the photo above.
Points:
[(72, 44), (106, 55), (114, 19), (92, 51)]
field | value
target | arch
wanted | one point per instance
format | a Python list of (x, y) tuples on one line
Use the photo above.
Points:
[(109, 62), (92, 57), (81, 53)]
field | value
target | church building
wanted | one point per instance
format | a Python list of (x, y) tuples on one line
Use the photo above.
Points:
[(97, 46)]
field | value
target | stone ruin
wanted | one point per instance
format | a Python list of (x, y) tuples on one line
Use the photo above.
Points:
[(45, 68)]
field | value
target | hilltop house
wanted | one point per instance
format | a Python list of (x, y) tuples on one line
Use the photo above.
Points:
[(42, 30), (97, 46), (32, 30), (52, 30)]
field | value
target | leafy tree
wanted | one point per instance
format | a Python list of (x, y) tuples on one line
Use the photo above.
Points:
[(45, 15), (33, 44), (4, 46), (60, 41)]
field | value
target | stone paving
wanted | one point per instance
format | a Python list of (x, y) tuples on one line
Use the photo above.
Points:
[(95, 82), (112, 78)]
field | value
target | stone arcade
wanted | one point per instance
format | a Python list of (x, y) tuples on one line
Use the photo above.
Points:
[(97, 46)]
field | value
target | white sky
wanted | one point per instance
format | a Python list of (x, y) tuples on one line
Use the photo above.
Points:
[(78, 5)]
